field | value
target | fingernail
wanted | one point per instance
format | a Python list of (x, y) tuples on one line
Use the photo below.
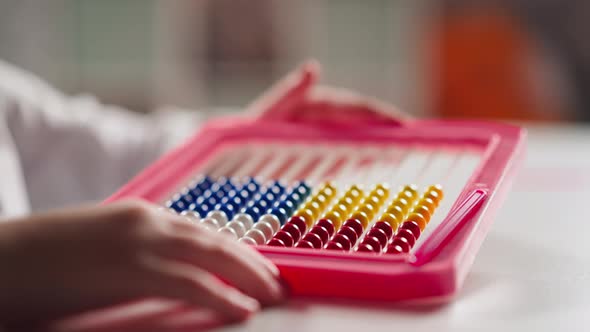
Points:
[(244, 301), (277, 292)]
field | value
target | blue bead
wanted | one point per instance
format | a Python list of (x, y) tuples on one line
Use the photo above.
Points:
[(178, 206), (279, 213), (219, 195), (288, 206), (196, 191), (228, 209), (237, 201), (268, 197), (212, 201), (188, 197), (251, 187), (228, 187), (276, 190), (262, 205), (214, 187), (254, 212), (244, 194), (295, 198), (204, 184)]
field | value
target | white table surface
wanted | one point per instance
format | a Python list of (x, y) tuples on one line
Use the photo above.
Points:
[(531, 274)]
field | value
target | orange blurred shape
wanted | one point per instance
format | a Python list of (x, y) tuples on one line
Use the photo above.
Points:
[(482, 69)]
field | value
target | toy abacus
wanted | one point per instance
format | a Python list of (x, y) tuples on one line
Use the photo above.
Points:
[(364, 211)]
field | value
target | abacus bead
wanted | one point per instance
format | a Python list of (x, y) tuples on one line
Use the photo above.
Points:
[(210, 222), (343, 240), (350, 234), (394, 249), (413, 227), (293, 230), (245, 219), (247, 240), (327, 225), (304, 244), (238, 227), (402, 242), (253, 212), (408, 235), (280, 213), (191, 215), (385, 227), (403, 204), (341, 209), (418, 219), (368, 209), (314, 207), (356, 225), (265, 228), (220, 216), (228, 232), (365, 247), (346, 201), (406, 195), (413, 189), (423, 211), (429, 204), (295, 199), (396, 211), (373, 242), (276, 243), (299, 222), (256, 235), (286, 238), (272, 220), (314, 239), (322, 232), (288, 206), (322, 200), (334, 246), (433, 196), (308, 216), (392, 220), (438, 189), (380, 235), (335, 218), (362, 217), (374, 201), (380, 193)]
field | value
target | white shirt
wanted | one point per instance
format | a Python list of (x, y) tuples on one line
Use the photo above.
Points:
[(57, 150)]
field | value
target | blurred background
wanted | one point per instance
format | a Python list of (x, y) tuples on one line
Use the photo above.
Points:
[(517, 60)]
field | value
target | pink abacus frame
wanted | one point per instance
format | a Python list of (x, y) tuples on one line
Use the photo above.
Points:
[(433, 272)]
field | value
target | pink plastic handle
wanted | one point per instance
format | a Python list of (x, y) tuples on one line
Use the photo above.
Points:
[(464, 212)]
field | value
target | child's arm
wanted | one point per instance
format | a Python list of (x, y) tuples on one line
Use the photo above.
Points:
[(69, 261), (76, 150)]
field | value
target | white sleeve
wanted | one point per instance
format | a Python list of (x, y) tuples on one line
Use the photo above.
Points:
[(75, 150)]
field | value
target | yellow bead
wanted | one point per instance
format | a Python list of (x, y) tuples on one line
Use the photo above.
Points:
[(396, 211), (438, 189), (335, 218), (429, 204), (403, 204), (341, 209), (380, 193), (314, 207), (355, 193), (406, 195), (368, 209), (373, 200), (423, 211), (419, 219), (346, 201), (322, 200), (392, 220), (412, 189), (308, 216), (362, 217)]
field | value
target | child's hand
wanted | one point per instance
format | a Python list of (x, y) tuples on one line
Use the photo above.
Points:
[(70, 261)]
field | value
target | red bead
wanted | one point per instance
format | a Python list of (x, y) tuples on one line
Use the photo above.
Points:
[(413, 227), (365, 247), (380, 235), (299, 222), (286, 238), (334, 246), (408, 235), (385, 227), (350, 234), (276, 243), (322, 232), (343, 240), (293, 230), (304, 244), (355, 224), (328, 225), (402, 242), (373, 242), (394, 249), (315, 239)]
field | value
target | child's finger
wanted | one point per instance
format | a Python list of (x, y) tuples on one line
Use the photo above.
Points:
[(197, 287)]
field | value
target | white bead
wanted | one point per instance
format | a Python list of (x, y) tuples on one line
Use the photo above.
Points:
[(247, 240), (220, 216), (245, 219), (210, 223), (272, 220), (256, 235), (191, 215), (238, 227), (229, 231), (265, 228)]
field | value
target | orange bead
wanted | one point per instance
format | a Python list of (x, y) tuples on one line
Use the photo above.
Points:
[(406, 195), (335, 218), (433, 196), (362, 217), (392, 220), (429, 204), (438, 189), (418, 219), (403, 204), (423, 211), (412, 189)]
